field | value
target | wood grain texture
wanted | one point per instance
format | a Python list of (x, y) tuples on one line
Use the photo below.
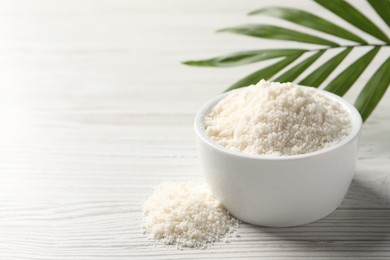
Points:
[(96, 109)]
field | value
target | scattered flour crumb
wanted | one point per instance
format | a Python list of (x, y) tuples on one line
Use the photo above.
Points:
[(273, 118), (186, 215)]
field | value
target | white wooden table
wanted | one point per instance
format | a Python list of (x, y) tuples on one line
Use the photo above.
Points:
[(95, 109)]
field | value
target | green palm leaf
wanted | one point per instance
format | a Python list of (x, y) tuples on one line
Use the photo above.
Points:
[(245, 57), (276, 32), (264, 73), (374, 90), (342, 83), (353, 16), (382, 7), (315, 78), (309, 20), (297, 70)]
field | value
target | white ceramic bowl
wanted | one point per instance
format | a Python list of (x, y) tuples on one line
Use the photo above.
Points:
[(279, 191)]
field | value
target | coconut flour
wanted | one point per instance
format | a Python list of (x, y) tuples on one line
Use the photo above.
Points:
[(273, 118), (186, 215)]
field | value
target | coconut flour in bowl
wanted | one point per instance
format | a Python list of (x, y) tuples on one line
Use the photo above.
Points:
[(280, 119)]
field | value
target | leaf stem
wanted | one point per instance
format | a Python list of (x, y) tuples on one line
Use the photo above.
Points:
[(350, 46)]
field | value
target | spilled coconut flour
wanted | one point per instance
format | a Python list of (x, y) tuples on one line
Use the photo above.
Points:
[(273, 118), (186, 215)]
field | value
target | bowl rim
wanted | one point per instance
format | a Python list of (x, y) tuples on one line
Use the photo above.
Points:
[(204, 110)]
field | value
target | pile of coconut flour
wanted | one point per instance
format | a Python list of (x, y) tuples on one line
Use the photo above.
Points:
[(186, 215), (273, 118)]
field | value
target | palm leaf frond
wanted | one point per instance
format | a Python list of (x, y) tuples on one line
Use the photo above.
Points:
[(264, 73), (373, 90), (297, 70), (342, 83), (244, 57), (318, 76), (382, 7), (350, 14), (276, 32), (309, 20)]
